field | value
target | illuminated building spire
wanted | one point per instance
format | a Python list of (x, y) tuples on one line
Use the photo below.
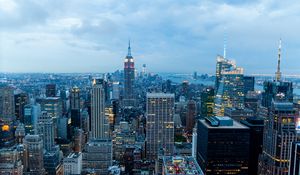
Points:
[(129, 50), (278, 73)]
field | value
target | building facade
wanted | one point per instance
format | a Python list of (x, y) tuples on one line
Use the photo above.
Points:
[(160, 124), (222, 146)]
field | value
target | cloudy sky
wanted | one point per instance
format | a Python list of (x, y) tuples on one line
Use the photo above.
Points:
[(167, 35)]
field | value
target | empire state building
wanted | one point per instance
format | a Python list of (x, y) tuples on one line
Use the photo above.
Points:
[(128, 100)]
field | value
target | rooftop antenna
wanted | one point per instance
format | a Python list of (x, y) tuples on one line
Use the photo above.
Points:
[(278, 73)]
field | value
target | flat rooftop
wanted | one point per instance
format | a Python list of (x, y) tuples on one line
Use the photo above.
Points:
[(181, 165), (234, 125), (160, 95)]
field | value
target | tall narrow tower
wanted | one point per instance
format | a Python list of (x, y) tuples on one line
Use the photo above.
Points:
[(160, 124), (128, 79), (278, 73), (99, 123)]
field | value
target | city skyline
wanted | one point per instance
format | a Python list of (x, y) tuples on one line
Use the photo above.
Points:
[(92, 36)]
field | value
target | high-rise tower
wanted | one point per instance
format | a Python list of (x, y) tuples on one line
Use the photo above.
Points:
[(75, 106), (160, 124), (46, 130), (279, 133), (280, 125), (99, 123), (129, 100)]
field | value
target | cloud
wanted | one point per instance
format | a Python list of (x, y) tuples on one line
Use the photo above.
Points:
[(188, 33)]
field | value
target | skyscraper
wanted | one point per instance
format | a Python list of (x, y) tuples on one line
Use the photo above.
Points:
[(160, 124), (230, 92), (52, 105), (294, 168), (280, 125), (75, 106), (249, 83), (99, 122), (256, 125), (279, 133), (97, 156), (277, 89), (222, 65), (223, 146), (129, 76), (50, 90), (7, 104), (34, 158), (207, 102), (21, 99), (191, 115), (46, 130)]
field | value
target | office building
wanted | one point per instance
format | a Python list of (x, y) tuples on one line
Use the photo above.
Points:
[(99, 122), (52, 105), (20, 133), (207, 102), (75, 107), (294, 168), (253, 101), (129, 78), (10, 162), (230, 92), (50, 90), (7, 104), (115, 91), (223, 146), (279, 133), (281, 121), (238, 114), (52, 160), (97, 156), (160, 124), (191, 116), (73, 164), (249, 83), (34, 158), (256, 125), (21, 99), (277, 89), (223, 65), (45, 129)]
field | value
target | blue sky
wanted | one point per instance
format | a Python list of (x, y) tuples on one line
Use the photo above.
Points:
[(167, 35)]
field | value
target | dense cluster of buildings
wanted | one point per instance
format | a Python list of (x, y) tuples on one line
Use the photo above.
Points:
[(139, 123)]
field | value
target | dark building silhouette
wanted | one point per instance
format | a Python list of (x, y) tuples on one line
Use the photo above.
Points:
[(191, 116), (249, 83), (222, 146), (50, 90), (277, 90), (75, 107), (21, 99), (256, 125)]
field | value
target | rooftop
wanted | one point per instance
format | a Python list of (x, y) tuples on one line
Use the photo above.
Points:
[(160, 95), (74, 155), (181, 165), (222, 122)]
